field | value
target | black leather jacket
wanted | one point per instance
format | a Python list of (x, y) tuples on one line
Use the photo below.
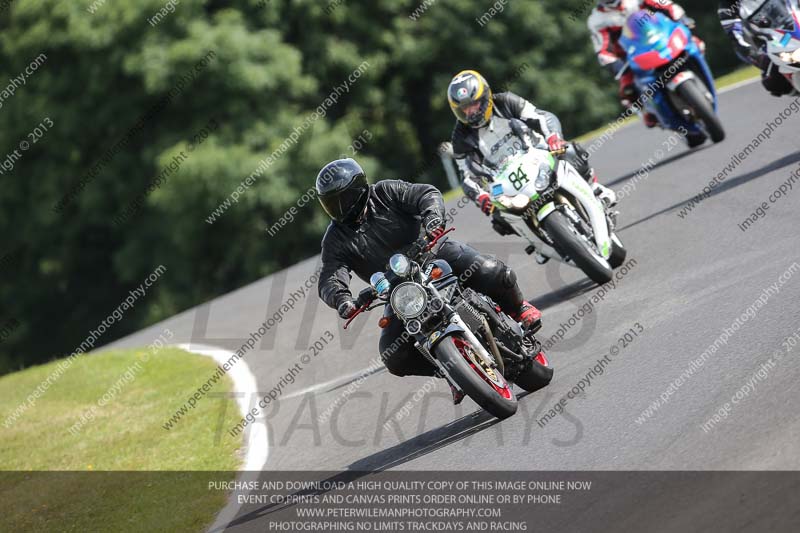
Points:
[(392, 221)]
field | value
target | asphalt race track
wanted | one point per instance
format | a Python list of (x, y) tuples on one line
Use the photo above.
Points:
[(692, 278)]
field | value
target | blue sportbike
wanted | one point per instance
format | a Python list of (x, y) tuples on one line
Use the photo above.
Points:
[(672, 76)]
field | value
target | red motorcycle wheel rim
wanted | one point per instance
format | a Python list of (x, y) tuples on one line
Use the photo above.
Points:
[(461, 345)]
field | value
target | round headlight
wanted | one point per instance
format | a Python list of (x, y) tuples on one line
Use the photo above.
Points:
[(409, 300), (543, 179), (400, 265)]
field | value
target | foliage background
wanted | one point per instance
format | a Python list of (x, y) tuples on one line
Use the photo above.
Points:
[(276, 60)]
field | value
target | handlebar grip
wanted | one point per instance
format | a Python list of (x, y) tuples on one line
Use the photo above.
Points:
[(358, 312)]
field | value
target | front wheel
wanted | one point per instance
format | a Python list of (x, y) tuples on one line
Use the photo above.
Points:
[(618, 252), (486, 386), (693, 94), (569, 242)]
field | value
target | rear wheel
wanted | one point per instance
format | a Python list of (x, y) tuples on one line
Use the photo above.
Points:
[(574, 245), (536, 375), (486, 386), (694, 94)]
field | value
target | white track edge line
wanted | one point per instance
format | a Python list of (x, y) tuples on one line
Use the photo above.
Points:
[(256, 442)]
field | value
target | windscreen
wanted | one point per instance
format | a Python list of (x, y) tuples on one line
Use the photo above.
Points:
[(772, 14)]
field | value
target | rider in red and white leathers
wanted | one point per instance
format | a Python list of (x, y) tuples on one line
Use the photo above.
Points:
[(606, 23)]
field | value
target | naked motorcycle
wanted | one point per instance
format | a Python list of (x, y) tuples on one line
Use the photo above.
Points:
[(472, 343)]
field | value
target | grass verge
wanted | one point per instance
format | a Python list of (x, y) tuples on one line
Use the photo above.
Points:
[(112, 470)]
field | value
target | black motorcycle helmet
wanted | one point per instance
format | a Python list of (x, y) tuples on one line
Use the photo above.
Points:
[(343, 190)]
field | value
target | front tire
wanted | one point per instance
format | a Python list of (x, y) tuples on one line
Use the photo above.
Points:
[(453, 353), (694, 96), (618, 252), (569, 243)]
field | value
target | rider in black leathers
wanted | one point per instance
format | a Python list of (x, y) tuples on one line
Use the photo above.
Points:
[(369, 224)]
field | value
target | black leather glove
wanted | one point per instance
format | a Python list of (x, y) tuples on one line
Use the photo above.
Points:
[(366, 296), (347, 309), (434, 226)]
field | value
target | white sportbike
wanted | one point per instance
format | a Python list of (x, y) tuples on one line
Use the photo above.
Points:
[(549, 204)]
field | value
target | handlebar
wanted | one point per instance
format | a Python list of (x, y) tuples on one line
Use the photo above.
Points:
[(358, 312), (424, 247), (430, 246)]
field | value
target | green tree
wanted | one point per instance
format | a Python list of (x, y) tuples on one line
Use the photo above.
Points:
[(126, 96)]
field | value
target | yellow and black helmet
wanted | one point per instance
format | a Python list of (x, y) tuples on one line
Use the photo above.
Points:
[(470, 98)]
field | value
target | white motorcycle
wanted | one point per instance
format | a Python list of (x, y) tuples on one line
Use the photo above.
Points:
[(776, 24), (549, 204)]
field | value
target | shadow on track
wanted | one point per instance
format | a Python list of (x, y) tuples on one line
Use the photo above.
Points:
[(671, 159), (727, 185), (400, 453), (565, 293)]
